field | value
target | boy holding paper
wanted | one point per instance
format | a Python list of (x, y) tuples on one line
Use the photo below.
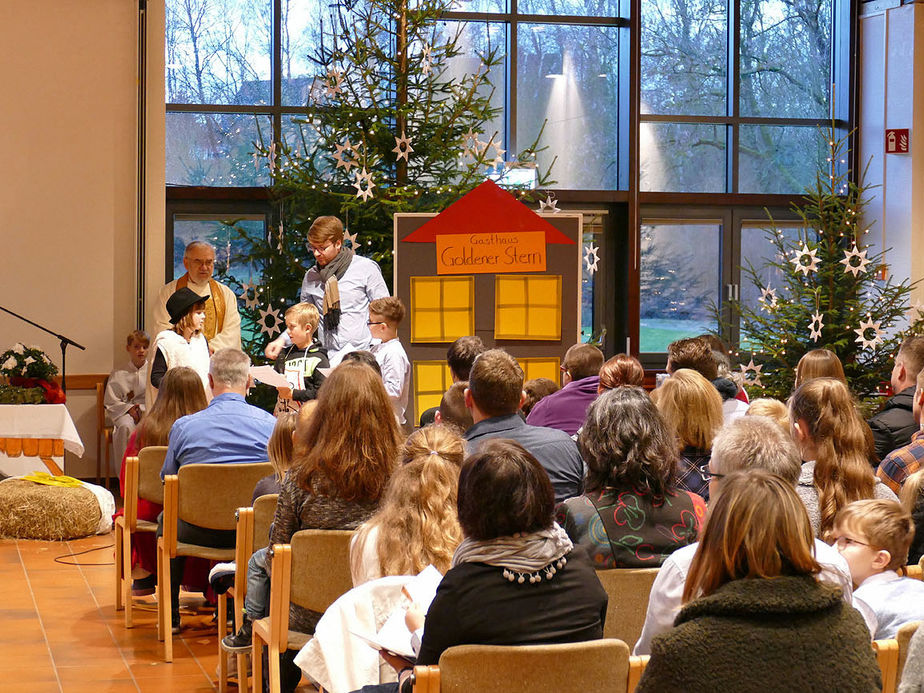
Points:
[(301, 363)]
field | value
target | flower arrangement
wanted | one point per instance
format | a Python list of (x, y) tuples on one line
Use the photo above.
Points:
[(20, 361)]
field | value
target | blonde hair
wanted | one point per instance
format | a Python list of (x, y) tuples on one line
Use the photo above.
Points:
[(883, 524), (186, 322), (771, 408), (691, 406), (842, 470), (279, 446), (417, 522), (819, 363), (305, 314), (139, 336), (326, 229), (912, 489), (756, 528)]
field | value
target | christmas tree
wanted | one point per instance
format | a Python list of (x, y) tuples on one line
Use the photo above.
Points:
[(397, 120), (834, 294)]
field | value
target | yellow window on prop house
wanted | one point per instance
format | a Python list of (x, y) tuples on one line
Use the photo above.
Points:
[(431, 380), (527, 306), (442, 308), (541, 368)]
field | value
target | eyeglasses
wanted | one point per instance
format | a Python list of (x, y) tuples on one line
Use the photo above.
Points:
[(375, 322), (708, 476), (843, 542), (316, 250)]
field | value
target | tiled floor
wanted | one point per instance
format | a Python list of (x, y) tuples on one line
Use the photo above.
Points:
[(59, 630)]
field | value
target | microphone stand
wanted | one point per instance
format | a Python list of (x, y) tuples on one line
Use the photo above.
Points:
[(64, 342)]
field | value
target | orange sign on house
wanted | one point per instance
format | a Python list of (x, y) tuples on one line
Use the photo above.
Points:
[(490, 253)]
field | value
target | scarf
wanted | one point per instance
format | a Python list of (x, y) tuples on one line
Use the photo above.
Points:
[(330, 273), (521, 556)]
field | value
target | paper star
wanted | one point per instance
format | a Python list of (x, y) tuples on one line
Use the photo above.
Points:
[(362, 177), (351, 237), (470, 144), (251, 303), (333, 82), (498, 154), (873, 341), (815, 326), (768, 299), (591, 258), (263, 322), (804, 253), (271, 157), (548, 205), (344, 162), (754, 368), (402, 147), (862, 261), (427, 61)]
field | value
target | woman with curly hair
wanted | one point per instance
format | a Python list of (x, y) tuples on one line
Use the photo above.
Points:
[(416, 525), (632, 515), (834, 443)]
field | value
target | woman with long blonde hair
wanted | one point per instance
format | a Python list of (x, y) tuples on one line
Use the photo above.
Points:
[(416, 525), (834, 444), (753, 571), (819, 363), (692, 407)]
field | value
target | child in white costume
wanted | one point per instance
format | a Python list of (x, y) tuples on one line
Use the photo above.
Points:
[(124, 399), (184, 345)]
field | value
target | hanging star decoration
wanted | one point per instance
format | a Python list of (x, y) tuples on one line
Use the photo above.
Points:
[(805, 260), (347, 161), (351, 237), (269, 321), (280, 245), (754, 368), (332, 85), (498, 154), (861, 258), (251, 302), (271, 157), (815, 326), (548, 205), (426, 59), (402, 148), (363, 184), (768, 299), (591, 259), (866, 326), (470, 144)]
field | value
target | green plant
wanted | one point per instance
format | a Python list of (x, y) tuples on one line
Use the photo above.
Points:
[(20, 361)]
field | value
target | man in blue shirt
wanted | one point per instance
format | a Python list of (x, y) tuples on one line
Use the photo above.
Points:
[(228, 431)]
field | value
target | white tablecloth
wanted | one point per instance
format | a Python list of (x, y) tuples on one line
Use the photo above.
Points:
[(44, 421)]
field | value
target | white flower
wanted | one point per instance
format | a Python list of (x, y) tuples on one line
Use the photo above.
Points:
[(9, 363), (35, 347), (28, 360), (18, 348)]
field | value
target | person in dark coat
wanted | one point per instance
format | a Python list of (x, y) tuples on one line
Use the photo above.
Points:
[(755, 618), (894, 425)]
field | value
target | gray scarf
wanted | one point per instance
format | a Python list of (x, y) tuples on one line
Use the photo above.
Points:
[(521, 556), (330, 273)]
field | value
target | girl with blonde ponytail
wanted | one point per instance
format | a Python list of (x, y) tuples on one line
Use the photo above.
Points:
[(833, 440), (416, 524)]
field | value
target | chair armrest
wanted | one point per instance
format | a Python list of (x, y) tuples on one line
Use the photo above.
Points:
[(243, 542), (426, 679), (171, 509), (637, 664), (887, 657)]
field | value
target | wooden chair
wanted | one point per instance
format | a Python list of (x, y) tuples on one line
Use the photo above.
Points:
[(628, 590), (891, 655), (252, 535), (103, 433), (142, 480), (206, 495), (312, 571), (602, 666)]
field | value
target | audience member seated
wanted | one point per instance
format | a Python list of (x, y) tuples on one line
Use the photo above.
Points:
[(754, 616), (363, 356), (385, 314), (565, 409), (453, 411), (694, 353), (302, 361), (343, 461), (494, 395), (912, 500), (773, 409), (619, 371), (416, 525), (692, 408), (723, 360), (184, 345), (515, 579), (913, 672), (832, 440), (728, 386), (631, 515), (279, 452), (749, 443), (124, 399), (819, 363), (535, 390), (182, 395), (873, 536), (459, 357), (895, 424), (900, 463)]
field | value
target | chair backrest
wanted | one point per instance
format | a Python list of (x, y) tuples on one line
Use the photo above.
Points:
[(150, 462), (903, 637), (100, 406), (601, 666), (264, 509), (209, 494), (628, 590), (320, 567)]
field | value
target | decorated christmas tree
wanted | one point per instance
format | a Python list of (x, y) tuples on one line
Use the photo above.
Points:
[(833, 293), (397, 120)]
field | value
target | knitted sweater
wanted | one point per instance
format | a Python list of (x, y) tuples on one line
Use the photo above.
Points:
[(780, 634)]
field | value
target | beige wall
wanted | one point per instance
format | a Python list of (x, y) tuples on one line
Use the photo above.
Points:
[(67, 183)]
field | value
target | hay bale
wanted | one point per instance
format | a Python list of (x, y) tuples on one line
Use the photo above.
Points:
[(36, 511)]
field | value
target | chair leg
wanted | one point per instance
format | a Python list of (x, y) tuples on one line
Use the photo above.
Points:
[(119, 576), (127, 577), (256, 650), (158, 590), (275, 685), (222, 613)]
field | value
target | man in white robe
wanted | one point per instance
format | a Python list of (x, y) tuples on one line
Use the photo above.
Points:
[(124, 399)]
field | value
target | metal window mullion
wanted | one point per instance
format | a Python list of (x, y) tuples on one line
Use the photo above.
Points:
[(733, 106), (277, 71), (511, 91)]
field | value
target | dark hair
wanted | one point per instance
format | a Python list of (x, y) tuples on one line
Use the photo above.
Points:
[(626, 443), (620, 370), (536, 389), (503, 490), (583, 361), (496, 381), (462, 354), (452, 407), (694, 353), (361, 356)]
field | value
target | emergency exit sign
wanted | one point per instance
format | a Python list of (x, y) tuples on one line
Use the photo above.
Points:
[(896, 141)]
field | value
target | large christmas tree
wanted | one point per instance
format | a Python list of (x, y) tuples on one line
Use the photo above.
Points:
[(833, 293)]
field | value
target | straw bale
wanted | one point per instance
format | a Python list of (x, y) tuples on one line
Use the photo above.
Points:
[(36, 511)]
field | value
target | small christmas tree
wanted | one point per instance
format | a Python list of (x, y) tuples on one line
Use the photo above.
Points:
[(832, 295)]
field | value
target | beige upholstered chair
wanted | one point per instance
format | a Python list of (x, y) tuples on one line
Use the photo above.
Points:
[(206, 495), (628, 590), (601, 666), (312, 571), (142, 480), (891, 655), (252, 535)]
